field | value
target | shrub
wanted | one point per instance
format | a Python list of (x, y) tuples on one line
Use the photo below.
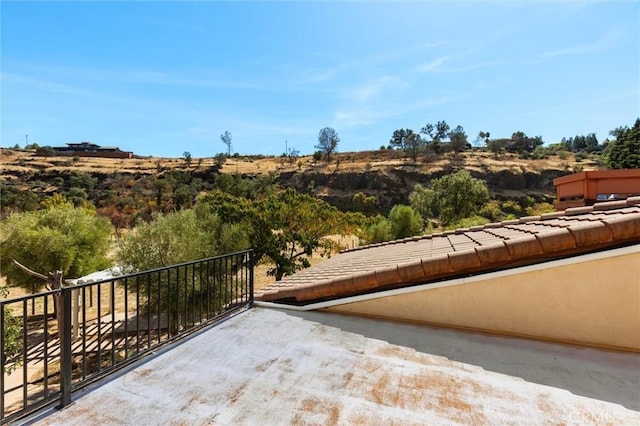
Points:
[(380, 231), (405, 222), (468, 222), (580, 156), (540, 209), (46, 151)]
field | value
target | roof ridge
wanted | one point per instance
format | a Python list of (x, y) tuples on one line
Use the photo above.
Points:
[(445, 255), (574, 211)]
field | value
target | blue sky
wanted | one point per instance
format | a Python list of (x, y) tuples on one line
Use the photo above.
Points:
[(162, 78)]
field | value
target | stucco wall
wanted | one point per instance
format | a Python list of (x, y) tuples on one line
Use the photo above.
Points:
[(593, 300)]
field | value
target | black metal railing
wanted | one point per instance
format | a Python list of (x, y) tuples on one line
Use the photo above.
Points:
[(56, 342)]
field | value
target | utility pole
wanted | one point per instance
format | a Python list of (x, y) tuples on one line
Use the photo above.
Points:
[(27, 138)]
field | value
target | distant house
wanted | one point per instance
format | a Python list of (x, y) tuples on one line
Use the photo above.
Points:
[(89, 149), (588, 188)]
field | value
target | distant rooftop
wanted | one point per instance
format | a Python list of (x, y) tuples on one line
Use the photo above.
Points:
[(587, 188), (272, 367)]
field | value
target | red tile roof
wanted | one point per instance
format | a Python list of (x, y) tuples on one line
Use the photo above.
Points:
[(462, 252)]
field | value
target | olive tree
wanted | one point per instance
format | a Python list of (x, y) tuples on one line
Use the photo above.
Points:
[(176, 238), (61, 237)]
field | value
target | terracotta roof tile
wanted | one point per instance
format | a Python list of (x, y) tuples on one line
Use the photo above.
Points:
[(493, 254), (623, 226), (556, 240), (612, 204), (633, 200), (574, 211), (591, 234), (451, 254), (462, 260), (524, 247)]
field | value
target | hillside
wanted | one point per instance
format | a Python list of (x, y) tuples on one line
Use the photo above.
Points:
[(384, 174)]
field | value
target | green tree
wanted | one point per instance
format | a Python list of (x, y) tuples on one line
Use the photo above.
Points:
[(58, 238), (497, 146), (521, 143), (405, 222), (422, 200), (286, 227), (327, 141), (226, 139), (624, 152), (176, 238), (15, 200), (187, 158), (379, 231), (437, 133), (399, 137), (408, 141), (81, 180), (457, 196), (458, 140), (364, 203), (414, 145), (482, 137), (11, 337), (220, 159)]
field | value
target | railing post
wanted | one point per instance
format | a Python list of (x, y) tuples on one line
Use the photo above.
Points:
[(75, 304), (64, 333), (251, 265)]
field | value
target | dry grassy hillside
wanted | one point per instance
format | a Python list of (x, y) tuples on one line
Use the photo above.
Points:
[(16, 162), (385, 174)]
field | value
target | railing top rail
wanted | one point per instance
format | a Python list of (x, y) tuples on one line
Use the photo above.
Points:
[(120, 277), (28, 296)]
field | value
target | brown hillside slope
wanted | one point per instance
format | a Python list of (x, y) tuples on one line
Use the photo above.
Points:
[(385, 174)]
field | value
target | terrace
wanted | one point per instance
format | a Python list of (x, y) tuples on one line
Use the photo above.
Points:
[(268, 366), (61, 341), (536, 323)]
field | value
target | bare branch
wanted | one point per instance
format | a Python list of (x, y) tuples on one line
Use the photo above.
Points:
[(29, 271)]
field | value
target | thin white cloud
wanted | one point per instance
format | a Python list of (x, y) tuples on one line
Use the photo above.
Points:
[(433, 66), (322, 75), (472, 67), (400, 53), (635, 93), (378, 86), (437, 66), (44, 85), (151, 77), (370, 114), (362, 116), (581, 49)]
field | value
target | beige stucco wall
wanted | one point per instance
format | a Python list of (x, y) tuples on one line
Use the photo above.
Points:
[(593, 300)]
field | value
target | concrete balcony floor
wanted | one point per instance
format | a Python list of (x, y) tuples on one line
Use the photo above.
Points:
[(273, 367)]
